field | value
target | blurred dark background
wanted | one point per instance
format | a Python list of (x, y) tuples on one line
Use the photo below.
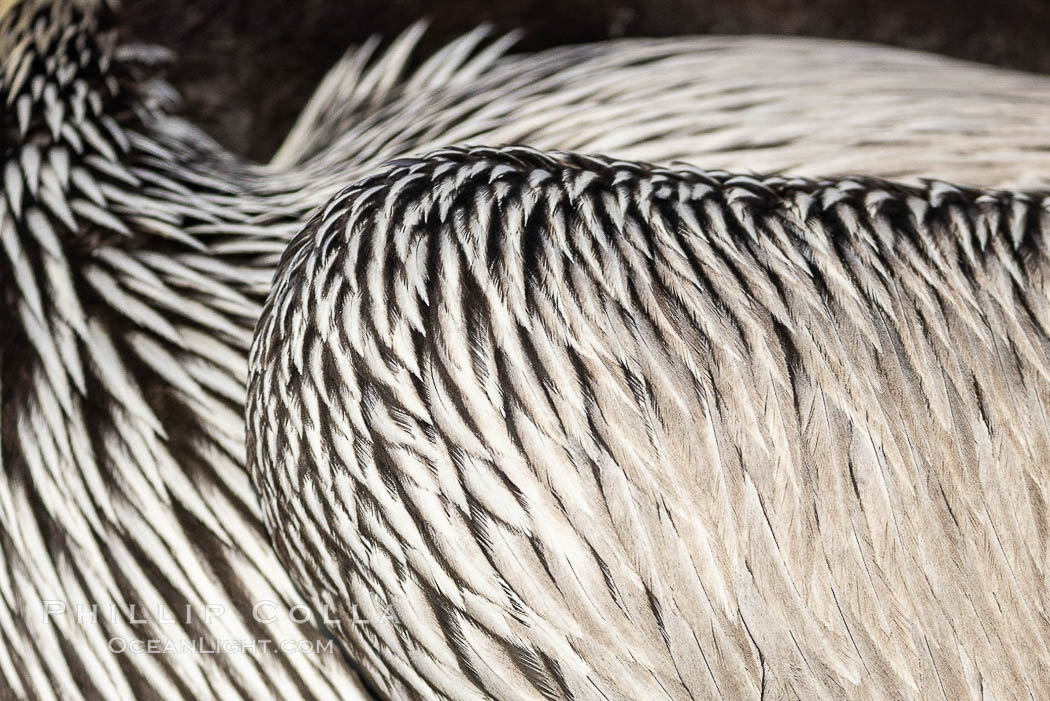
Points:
[(246, 67)]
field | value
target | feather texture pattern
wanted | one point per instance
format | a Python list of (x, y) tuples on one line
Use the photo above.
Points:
[(136, 255), (132, 555), (812, 107), (586, 428)]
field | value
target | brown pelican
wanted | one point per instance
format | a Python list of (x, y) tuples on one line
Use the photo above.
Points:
[(137, 254), (595, 429)]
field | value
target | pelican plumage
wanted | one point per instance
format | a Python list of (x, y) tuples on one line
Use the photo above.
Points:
[(137, 254), (596, 429)]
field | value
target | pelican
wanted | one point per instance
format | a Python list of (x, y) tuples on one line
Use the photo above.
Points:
[(598, 429), (137, 254)]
